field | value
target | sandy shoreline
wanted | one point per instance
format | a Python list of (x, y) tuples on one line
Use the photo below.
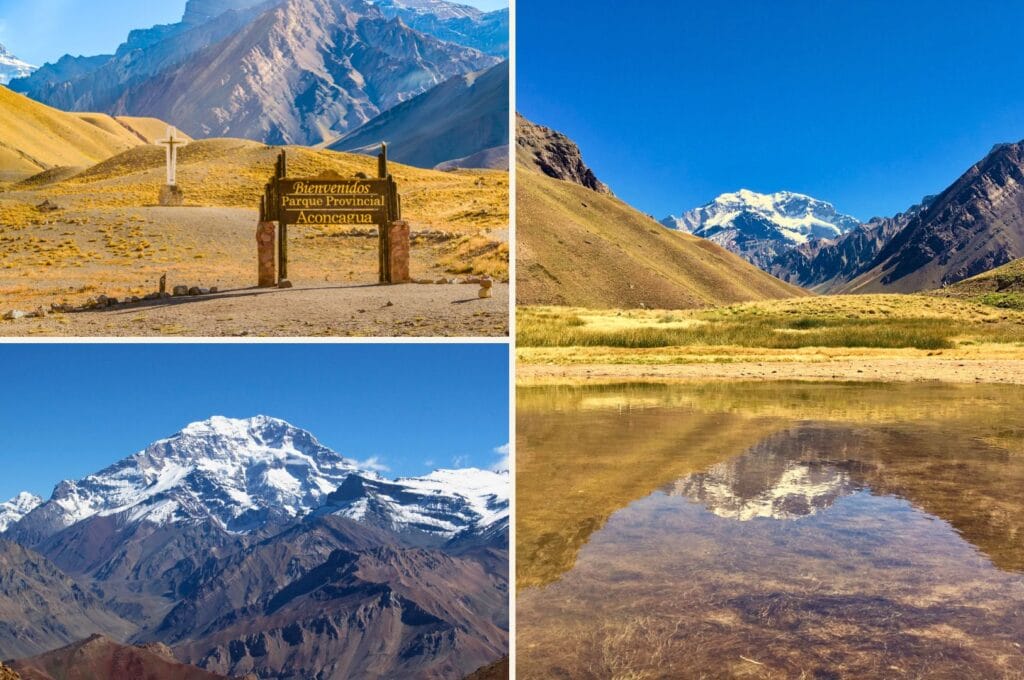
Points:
[(866, 369)]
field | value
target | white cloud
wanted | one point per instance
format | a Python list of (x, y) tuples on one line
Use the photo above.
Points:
[(460, 461), (503, 464), (373, 463)]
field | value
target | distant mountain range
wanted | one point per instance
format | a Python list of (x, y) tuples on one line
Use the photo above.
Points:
[(461, 123), (232, 538), (277, 71), (578, 245), (452, 22), (759, 227), (11, 67), (975, 225)]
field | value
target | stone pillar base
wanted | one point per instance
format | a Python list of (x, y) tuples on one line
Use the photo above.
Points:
[(398, 253), (171, 196), (266, 254)]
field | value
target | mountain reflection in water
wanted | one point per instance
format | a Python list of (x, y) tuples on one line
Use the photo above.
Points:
[(819, 531)]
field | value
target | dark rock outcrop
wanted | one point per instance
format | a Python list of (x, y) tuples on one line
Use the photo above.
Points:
[(826, 265), (554, 154)]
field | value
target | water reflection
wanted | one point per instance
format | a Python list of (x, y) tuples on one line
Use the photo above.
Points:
[(810, 531)]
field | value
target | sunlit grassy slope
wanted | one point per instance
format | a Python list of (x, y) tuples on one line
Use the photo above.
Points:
[(580, 248), (107, 236), (34, 137), (232, 173), (1000, 287)]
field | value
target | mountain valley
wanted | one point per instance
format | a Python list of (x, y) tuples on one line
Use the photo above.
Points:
[(249, 547)]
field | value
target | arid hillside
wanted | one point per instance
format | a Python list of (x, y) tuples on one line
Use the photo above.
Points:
[(580, 246), (35, 137), (99, 230)]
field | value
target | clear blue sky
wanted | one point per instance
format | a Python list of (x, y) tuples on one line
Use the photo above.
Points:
[(41, 31), (70, 410), (870, 104)]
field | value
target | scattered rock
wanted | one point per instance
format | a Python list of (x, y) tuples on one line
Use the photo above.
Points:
[(15, 314), (285, 283), (194, 290), (390, 304), (48, 206), (441, 281), (153, 296), (485, 292), (214, 289), (204, 291), (180, 290)]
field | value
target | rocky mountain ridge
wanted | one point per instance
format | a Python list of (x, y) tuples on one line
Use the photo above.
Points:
[(453, 22), (555, 155), (250, 547), (826, 265), (455, 121), (282, 71)]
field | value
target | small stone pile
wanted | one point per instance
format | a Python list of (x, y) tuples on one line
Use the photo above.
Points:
[(104, 301), (486, 283)]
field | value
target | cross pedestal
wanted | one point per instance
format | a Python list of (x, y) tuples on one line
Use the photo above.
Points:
[(170, 194)]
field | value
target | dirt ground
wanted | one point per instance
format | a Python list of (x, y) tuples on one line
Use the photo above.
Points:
[(319, 310), (856, 369), (83, 253)]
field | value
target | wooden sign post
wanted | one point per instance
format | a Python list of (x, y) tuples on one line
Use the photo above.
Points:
[(333, 200)]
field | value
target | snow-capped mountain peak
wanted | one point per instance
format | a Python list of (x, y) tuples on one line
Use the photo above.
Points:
[(246, 474), (13, 510), (760, 226), (11, 67), (442, 504), (240, 473)]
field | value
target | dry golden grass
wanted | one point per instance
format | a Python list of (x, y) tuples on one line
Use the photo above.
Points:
[(108, 235), (871, 321), (478, 255), (42, 137), (233, 172)]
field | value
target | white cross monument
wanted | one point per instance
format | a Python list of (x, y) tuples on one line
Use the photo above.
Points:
[(171, 194)]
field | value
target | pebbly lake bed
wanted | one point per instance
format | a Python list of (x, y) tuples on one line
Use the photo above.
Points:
[(770, 530)]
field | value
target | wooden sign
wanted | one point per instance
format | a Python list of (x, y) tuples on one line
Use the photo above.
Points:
[(332, 200), (356, 202)]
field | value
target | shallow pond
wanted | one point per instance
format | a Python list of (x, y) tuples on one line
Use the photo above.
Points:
[(770, 531)]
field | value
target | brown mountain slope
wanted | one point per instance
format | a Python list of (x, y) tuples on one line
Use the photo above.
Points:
[(35, 137), (100, 657), (1007, 280), (580, 248), (384, 612), (42, 608), (975, 225)]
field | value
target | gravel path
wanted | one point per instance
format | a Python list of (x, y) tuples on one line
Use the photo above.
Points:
[(325, 310)]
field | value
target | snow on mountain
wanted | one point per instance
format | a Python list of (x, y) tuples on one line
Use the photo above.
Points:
[(442, 504), (245, 473), (760, 226), (240, 473), (437, 8), (13, 510), (11, 67)]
